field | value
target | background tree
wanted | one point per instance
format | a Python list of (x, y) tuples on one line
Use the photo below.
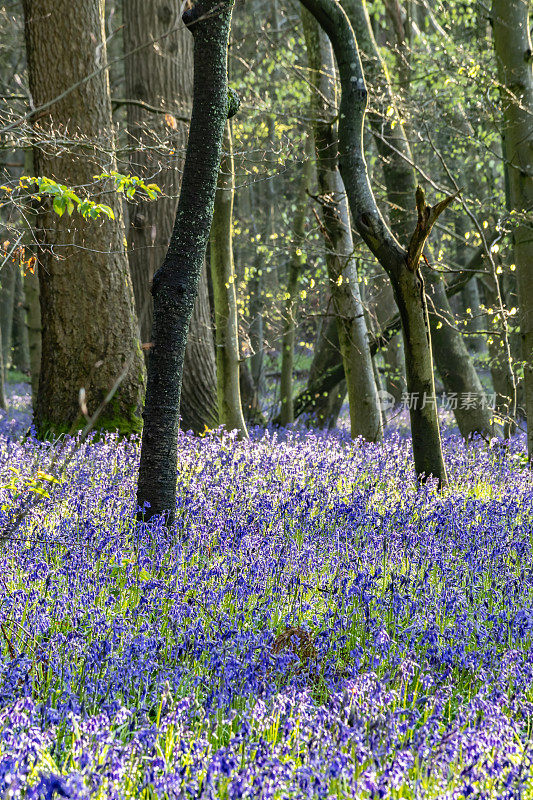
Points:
[(224, 296), (158, 82), (89, 330), (512, 42)]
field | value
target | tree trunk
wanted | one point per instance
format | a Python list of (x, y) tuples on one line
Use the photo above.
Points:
[(33, 310), (175, 284), (21, 345), (365, 414), (161, 76), (296, 263), (324, 382), (89, 329), (401, 265), (452, 359), (251, 406), (326, 405), (225, 297), (512, 42), (7, 302)]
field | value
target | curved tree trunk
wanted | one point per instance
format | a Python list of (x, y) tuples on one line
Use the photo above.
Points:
[(512, 42), (225, 297), (175, 284), (89, 329), (160, 75), (452, 359), (402, 266), (365, 413)]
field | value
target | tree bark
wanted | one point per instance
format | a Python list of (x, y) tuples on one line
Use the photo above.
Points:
[(296, 262), (21, 345), (452, 358), (89, 329), (225, 297), (7, 302), (512, 43), (175, 284), (365, 414), (324, 381), (401, 265), (326, 405), (33, 311), (160, 74)]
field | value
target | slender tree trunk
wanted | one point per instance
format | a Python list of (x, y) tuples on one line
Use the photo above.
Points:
[(3, 398), (402, 266), (225, 297), (251, 406), (323, 383), (452, 358), (512, 42), (161, 76), (21, 346), (326, 405), (296, 263), (33, 311), (257, 308), (89, 329), (175, 284), (365, 414), (7, 302), (470, 297)]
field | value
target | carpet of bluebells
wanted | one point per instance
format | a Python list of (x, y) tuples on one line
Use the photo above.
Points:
[(314, 627)]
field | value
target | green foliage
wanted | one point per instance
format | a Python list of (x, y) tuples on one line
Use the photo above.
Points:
[(129, 185), (65, 198)]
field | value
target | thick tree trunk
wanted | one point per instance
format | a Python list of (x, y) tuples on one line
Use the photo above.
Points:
[(296, 263), (225, 297), (161, 76), (89, 329), (365, 414), (401, 265), (512, 42), (21, 345), (175, 284)]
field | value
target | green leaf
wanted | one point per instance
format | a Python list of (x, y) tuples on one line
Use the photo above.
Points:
[(59, 205)]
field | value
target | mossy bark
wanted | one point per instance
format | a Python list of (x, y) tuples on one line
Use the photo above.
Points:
[(175, 284), (89, 328), (224, 295)]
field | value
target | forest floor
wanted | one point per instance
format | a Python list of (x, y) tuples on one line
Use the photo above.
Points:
[(314, 627)]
